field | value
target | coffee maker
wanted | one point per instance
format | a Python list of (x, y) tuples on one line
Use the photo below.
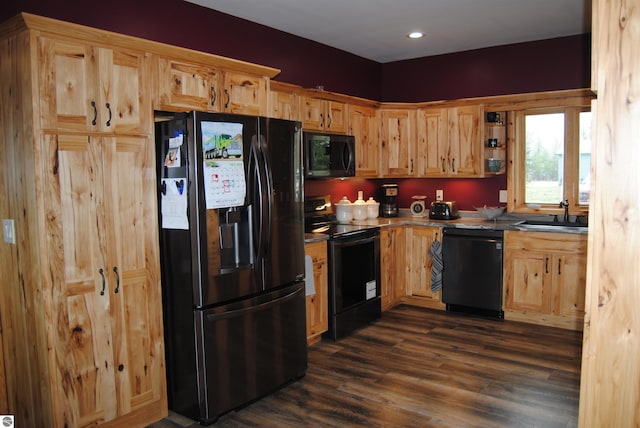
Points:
[(388, 204)]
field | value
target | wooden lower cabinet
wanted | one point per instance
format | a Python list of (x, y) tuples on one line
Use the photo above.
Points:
[(101, 278), (81, 307), (419, 240), (82, 303), (318, 303), (4, 405), (392, 266), (545, 277)]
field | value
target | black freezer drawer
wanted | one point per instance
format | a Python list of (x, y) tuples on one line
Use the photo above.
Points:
[(245, 350), (251, 351), (472, 274)]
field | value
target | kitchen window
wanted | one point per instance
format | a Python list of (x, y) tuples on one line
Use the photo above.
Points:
[(551, 160)]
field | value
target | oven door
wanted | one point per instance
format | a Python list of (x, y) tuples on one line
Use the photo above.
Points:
[(354, 281)]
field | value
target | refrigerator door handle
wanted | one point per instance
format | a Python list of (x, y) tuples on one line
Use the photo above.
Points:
[(257, 197), (250, 309), (266, 165)]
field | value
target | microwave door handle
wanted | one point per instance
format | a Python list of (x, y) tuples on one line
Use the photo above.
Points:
[(347, 157)]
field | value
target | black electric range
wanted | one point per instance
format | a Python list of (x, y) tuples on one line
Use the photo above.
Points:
[(354, 293)]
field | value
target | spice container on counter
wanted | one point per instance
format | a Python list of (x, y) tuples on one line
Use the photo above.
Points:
[(344, 210), (373, 208), (359, 208)]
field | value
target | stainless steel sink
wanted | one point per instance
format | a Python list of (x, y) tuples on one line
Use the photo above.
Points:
[(541, 224)]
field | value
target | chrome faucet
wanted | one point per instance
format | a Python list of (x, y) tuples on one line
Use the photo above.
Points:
[(565, 204)]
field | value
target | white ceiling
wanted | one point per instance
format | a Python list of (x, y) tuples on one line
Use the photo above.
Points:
[(377, 29)]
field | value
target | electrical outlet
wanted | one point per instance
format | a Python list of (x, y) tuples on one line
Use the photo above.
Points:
[(503, 196), (439, 195), (9, 230)]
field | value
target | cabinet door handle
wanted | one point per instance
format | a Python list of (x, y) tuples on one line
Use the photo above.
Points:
[(411, 166), (559, 266), (108, 106), (330, 121), (95, 113), (115, 270), (453, 165), (321, 120), (443, 164), (214, 95), (104, 281), (226, 92), (546, 264)]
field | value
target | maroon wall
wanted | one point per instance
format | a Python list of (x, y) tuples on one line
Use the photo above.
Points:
[(546, 65), (468, 192), (553, 64), (176, 22)]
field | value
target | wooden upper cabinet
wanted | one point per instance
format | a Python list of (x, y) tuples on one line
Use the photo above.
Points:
[(465, 144), (432, 152), (363, 125), (324, 115), (449, 142), (397, 135), (243, 93), (85, 88), (102, 277), (284, 102), (193, 86)]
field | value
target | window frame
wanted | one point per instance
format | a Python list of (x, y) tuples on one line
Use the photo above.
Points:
[(571, 169)]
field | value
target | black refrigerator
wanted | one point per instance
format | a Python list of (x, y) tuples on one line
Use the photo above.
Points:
[(232, 258)]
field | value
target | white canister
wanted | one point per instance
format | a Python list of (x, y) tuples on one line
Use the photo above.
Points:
[(359, 208), (344, 210), (373, 208)]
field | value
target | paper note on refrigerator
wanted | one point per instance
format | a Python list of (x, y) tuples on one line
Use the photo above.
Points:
[(174, 203), (223, 169), (172, 158)]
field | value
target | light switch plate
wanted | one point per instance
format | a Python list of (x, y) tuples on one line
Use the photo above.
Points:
[(503, 196), (439, 195), (9, 231)]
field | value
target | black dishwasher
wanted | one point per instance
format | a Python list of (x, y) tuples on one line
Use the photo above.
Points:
[(472, 271)]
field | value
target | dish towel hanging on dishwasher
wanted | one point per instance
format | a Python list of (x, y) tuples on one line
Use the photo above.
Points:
[(436, 266)]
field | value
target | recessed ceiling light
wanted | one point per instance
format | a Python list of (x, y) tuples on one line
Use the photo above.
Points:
[(415, 35)]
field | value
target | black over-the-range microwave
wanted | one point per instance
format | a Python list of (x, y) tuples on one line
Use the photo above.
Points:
[(329, 155)]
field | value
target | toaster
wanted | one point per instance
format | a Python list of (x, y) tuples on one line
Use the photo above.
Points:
[(443, 210)]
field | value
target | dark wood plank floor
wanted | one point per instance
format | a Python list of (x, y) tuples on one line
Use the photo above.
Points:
[(421, 368)]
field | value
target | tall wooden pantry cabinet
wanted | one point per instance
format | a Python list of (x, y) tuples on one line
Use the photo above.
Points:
[(81, 306)]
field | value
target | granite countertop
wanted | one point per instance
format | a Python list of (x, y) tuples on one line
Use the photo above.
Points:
[(467, 220)]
